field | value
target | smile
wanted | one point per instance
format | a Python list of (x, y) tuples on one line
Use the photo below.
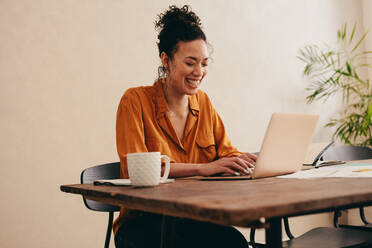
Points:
[(194, 83)]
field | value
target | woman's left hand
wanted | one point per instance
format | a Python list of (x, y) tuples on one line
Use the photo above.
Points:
[(250, 158)]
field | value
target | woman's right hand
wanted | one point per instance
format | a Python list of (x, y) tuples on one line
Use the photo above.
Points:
[(226, 166)]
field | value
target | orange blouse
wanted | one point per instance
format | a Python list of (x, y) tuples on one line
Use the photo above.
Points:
[(143, 125)]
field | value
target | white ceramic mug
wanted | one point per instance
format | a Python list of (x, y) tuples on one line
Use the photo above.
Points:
[(145, 168)]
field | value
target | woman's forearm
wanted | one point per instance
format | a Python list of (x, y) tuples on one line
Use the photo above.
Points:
[(242, 165), (184, 170)]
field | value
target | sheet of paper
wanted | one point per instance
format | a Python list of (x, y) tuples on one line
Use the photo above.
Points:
[(121, 182), (345, 170), (118, 182)]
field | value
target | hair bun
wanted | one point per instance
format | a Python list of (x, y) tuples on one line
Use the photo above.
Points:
[(177, 18)]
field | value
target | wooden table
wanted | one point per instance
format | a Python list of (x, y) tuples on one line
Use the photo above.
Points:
[(244, 203)]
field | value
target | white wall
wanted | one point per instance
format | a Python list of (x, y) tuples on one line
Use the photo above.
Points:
[(367, 22), (64, 65), (260, 71)]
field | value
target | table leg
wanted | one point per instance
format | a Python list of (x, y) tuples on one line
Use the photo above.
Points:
[(166, 232), (274, 233)]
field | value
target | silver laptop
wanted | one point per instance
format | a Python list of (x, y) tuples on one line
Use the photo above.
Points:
[(285, 144)]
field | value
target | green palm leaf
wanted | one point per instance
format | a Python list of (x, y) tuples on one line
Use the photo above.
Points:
[(336, 70)]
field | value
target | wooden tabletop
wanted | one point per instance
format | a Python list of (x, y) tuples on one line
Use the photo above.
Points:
[(235, 202)]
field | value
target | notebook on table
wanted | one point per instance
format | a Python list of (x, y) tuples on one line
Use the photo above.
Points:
[(284, 146)]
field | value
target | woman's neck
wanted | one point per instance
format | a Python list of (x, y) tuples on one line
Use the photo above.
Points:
[(177, 103)]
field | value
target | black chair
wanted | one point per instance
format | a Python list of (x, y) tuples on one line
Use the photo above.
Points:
[(326, 236), (349, 153), (105, 171), (329, 237)]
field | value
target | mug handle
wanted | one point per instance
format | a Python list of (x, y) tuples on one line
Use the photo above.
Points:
[(167, 168)]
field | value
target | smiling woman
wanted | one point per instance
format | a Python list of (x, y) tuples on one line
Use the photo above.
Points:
[(177, 119), (186, 69)]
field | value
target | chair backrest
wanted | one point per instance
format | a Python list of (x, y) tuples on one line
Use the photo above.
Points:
[(105, 171), (347, 153)]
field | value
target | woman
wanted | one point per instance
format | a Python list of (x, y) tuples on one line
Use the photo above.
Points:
[(176, 118)]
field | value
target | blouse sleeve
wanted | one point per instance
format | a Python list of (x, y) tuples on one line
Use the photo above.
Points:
[(129, 128), (223, 144)]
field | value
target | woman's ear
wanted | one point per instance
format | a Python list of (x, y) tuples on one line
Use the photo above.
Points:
[(164, 59)]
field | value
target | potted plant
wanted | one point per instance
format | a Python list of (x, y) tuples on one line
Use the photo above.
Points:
[(338, 70)]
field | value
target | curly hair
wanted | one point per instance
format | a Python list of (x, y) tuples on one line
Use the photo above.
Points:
[(175, 25)]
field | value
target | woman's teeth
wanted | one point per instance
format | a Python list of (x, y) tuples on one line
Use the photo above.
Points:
[(194, 82)]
